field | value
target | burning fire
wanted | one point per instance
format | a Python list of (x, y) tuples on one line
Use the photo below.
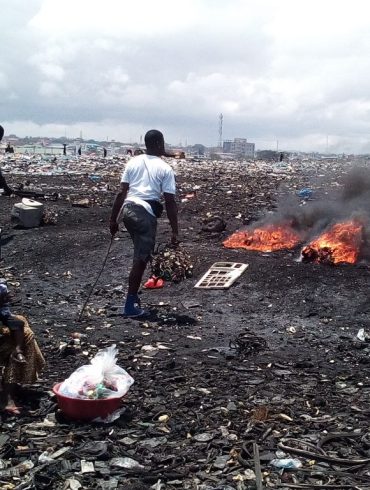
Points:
[(267, 239), (340, 244)]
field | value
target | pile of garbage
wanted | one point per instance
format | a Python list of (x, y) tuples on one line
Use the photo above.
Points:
[(172, 264), (284, 405), (49, 217)]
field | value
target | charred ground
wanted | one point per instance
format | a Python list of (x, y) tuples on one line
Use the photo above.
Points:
[(311, 379)]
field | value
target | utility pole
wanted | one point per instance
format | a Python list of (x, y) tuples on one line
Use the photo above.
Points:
[(220, 124)]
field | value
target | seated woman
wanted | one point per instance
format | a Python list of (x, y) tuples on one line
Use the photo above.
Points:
[(15, 326), (20, 355)]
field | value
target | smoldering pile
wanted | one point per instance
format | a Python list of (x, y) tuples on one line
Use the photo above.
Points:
[(333, 230), (172, 264)]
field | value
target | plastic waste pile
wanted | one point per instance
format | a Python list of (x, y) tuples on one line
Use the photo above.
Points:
[(102, 378)]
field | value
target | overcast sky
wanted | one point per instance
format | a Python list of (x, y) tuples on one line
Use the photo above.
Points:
[(278, 70)]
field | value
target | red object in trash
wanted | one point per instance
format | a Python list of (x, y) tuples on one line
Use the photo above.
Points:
[(79, 409), (154, 283)]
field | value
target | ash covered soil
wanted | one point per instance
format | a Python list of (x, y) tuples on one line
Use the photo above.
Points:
[(273, 360)]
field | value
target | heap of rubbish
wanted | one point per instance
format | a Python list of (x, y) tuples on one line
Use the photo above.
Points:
[(261, 385)]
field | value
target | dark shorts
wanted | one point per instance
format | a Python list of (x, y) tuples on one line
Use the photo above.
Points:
[(142, 227)]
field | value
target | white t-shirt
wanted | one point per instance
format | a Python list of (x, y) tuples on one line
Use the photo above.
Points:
[(148, 177)]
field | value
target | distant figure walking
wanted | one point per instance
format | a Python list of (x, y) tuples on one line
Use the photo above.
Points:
[(79, 151), (9, 149), (105, 152), (3, 185)]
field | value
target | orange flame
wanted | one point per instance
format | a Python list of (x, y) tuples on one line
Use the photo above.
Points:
[(267, 239), (340, 244)]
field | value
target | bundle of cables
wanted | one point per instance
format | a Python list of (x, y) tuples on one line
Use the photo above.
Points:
[(172, 264)]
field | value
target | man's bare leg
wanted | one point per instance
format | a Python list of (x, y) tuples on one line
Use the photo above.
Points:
[(134, 281), (136, 275), (8, 404)]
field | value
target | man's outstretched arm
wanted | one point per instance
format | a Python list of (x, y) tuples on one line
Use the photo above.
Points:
[(171, 209), (117, 206)]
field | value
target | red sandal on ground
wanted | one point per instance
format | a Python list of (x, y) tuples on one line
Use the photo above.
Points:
[(154, 283)]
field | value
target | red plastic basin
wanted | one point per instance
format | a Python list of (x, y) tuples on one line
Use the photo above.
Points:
[(78, 409)]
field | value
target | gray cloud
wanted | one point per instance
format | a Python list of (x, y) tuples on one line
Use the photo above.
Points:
[(276, 71)]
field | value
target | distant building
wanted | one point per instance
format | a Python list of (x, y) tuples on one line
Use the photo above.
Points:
[(227, 145), (40, 149), (239, 147)]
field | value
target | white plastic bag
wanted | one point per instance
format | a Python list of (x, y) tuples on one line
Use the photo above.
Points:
[(102, 378)]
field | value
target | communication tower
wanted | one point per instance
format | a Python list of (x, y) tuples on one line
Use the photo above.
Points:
[(221, 119)]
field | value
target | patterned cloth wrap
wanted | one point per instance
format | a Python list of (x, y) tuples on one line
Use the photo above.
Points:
[(13, 371)]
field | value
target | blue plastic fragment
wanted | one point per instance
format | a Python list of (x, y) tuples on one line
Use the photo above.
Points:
[(305, 193)]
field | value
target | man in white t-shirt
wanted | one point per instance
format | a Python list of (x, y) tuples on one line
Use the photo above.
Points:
[(145, 179)]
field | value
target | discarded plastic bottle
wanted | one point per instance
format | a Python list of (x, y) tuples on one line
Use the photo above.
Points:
[(286, 463)]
